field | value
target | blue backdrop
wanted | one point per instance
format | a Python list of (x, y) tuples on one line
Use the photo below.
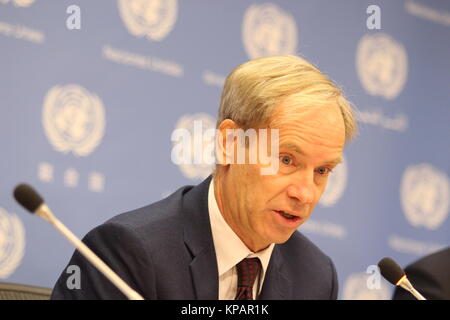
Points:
[(91, 91)]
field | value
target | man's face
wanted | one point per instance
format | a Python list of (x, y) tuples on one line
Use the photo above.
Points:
[(267, 209)]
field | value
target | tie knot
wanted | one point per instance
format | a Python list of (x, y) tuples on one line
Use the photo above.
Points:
[(248, 269)]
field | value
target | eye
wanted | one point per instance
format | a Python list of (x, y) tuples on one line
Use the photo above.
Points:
[(286, 160), (323, 170)]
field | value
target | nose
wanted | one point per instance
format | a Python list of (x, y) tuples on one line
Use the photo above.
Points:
[(302, 187)]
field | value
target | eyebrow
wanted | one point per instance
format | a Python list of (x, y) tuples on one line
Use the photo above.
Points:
[(295, 148)]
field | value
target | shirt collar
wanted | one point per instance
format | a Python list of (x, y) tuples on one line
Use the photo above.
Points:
[(230, 249)]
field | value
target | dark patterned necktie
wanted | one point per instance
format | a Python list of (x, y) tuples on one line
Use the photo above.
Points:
[(248, 269)]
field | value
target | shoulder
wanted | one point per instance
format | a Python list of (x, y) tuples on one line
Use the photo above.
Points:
[(429, 275), (151, 225), (160, 215), (432, 268), (435, 260)]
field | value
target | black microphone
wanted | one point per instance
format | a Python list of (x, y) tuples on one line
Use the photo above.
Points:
[(27, 197), (33, 202), (393, 273)]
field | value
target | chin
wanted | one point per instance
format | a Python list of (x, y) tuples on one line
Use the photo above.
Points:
[(282, 238)]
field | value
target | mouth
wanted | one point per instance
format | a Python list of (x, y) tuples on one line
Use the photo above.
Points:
[(285, 214), (287, 218)]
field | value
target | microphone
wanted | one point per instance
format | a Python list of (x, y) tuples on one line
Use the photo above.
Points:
[(393, 273), (33, 202)]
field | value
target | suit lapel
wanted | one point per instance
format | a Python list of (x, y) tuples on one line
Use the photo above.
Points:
[(277, 285), (199, 241), (204, 275)]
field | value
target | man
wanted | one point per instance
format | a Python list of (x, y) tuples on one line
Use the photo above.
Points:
[(234, 235), (430, 276)]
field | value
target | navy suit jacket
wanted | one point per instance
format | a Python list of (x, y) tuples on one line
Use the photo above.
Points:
[(166, 251)]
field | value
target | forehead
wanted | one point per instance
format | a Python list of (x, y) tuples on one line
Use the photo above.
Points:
[(317, 127)]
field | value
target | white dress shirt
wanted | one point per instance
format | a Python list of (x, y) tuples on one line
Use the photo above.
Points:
[(230, 250)]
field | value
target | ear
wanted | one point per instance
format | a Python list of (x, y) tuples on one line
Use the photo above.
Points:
[(225, 142)]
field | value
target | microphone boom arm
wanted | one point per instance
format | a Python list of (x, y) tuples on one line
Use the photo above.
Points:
[(44, 212)]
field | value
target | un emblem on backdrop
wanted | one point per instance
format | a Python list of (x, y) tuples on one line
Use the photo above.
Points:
[(268, 31), (73, 119), (336, 184), (12, 243), (190, 153), (356, 288), (20, 3), (425, 194), (382, 65), (151, 18)]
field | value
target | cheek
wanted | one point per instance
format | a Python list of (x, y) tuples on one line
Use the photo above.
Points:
[(259, 193), (248, 187), (321, 189)]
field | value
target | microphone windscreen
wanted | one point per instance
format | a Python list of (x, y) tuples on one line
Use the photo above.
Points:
[(390, 270), (28, 197)]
